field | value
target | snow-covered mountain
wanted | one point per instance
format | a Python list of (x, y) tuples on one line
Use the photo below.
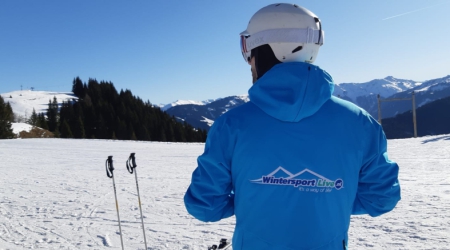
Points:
[(365, 94), (203, 115), (425, 93), (384, 87), (165, 107)]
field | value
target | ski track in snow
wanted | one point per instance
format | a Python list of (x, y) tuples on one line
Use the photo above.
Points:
[(55, 195)]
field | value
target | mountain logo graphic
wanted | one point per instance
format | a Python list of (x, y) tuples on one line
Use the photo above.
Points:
[(283, 177)]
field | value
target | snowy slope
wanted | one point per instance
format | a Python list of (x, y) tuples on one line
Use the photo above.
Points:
[(186, 102), (23, 102), (434, 85), (19, 127), (55, 195)]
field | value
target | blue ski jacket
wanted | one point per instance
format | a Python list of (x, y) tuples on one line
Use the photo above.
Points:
[(293, 165)]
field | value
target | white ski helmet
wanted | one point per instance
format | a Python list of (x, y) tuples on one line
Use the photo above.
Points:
[(294, 33)]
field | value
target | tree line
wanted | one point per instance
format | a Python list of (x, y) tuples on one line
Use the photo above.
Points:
[(101, 112)]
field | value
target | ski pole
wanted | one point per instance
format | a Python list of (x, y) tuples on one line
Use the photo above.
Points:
[(110, 174), (131, 166)]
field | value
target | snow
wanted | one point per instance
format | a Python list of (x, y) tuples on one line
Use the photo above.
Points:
[(186, 102), (245, 98), (207, 121), (55, 195), (384, 87), (19, 127), (434, 87), (206, 102), (23, 101), (427, 100)]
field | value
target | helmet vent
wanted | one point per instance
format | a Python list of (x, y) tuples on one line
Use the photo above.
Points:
[(295, 5), (277, 5), (297, 49)]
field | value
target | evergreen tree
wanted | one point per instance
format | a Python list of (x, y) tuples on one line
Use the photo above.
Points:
[(6, 131), (179, 131), (78, 87), (52, 115), (33, 118), (114, 136), (78, 130), (66, 132), (42, 121), (9, 113), (104, 113), (170, 136), (133, 136), (162, 134), (57, 134)]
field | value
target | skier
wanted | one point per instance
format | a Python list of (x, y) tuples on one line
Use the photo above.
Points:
[(294, 163)]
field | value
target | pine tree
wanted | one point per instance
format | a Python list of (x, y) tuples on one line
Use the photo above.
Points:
[(9, 113), (66, 132), (42, 121), (78, 130), (78, 87), (114, 136), (52, 115), (133, 136), (104, 114), (6, 131), (33, 118)]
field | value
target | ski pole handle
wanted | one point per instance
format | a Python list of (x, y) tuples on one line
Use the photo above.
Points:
[(133, 165), (133, 160), (109, 167)]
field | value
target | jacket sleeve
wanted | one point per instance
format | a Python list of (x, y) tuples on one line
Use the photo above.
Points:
[(378, 187), (210, 197)]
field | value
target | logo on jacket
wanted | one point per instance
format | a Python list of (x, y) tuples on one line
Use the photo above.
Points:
[(311, 182)]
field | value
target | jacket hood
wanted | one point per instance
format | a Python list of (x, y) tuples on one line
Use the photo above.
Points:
[(292, 91)]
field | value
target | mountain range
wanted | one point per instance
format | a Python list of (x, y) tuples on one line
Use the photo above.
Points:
[(365, 94), (203, 114)]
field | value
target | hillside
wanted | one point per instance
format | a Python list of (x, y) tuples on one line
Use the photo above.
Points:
[(24, 101)]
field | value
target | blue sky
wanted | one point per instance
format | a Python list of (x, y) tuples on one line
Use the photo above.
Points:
[(168, 50)]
